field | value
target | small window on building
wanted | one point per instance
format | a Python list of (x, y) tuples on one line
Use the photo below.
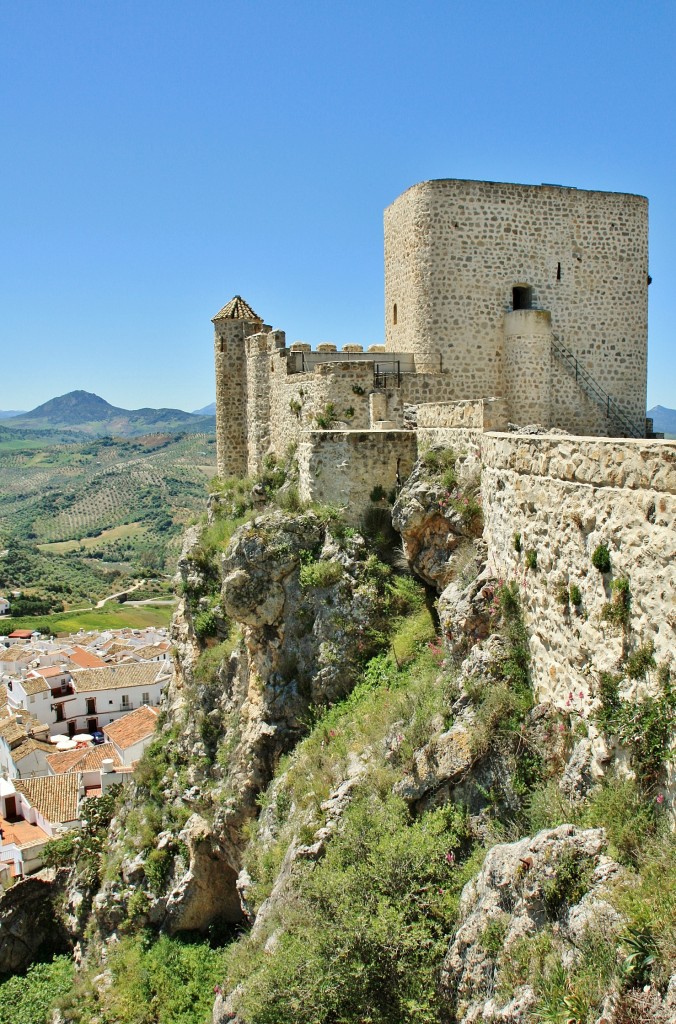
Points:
[(91, 705), (222, 345), (32, 698), (522, 297), (558, 271), (394, 314), (145, 698), (125, 700)]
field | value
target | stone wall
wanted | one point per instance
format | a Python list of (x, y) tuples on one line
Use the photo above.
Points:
[(342, 467), (565, 496), (484, 414), (454, 251)]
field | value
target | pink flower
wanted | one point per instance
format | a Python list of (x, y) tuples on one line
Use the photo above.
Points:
[(450, 858), (581, 694), (660, 798)]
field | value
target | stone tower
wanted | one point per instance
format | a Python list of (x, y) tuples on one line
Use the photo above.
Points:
[(232, 326), (471, 266)]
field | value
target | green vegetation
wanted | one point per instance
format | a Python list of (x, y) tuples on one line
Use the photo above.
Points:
[(154, 981), (28, 998), (371, 919), (326, 417), (374, 914), (645, 726), (111, 616), (601, 558), (531, 559), (88, 844), (317, 574), (80, 517), (617, 611)]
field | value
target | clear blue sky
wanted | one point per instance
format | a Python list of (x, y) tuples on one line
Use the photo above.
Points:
[(159, 157)]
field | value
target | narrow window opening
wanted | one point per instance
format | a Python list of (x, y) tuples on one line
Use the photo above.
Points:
[(522, 297), (394, 314), (222, 345), (558, 271)]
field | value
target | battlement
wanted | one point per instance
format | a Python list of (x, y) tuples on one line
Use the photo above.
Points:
[(504, 303)]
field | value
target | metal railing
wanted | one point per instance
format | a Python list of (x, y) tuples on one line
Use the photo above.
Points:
[(387, 375), (593, 389)]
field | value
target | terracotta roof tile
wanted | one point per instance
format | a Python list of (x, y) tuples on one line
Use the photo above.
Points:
[(117, 677), (85, 659), (11, 730), (14, 653), (151, 651), (83, 760), (34, 684), (237, 309), (54, 796), (29, 746), (132, 728), (51, 672)]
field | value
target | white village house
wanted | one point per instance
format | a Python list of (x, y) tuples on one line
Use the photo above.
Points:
[(88, 699)]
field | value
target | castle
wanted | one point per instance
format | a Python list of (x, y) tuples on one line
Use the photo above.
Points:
[(504, 304)]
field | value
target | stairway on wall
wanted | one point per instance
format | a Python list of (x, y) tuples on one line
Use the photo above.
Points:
[(593, 389)]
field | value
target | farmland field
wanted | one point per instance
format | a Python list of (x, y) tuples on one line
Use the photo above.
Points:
[(112, 616), (80, 516)]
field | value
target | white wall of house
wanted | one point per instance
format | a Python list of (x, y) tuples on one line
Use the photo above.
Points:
[(109, 705)]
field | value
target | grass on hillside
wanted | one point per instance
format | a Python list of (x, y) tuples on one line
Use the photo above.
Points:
[(115, 533), (112, 616)]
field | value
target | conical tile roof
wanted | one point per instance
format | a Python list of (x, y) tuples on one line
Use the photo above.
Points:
[(237, 309)]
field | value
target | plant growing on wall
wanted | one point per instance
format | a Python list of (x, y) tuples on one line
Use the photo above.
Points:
[(296, 407), (601, 558), (531, 559), (326, 417), (617, 611), (645, 727)]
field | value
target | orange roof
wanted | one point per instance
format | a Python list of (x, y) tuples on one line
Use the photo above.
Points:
[(83, 760), (86, 660), (21, 634), (49, 673), (132, 728)]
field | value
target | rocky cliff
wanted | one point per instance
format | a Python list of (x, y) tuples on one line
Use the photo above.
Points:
[(360, 789)]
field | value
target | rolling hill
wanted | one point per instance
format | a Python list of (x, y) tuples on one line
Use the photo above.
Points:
[(664, 419), (90, 414)]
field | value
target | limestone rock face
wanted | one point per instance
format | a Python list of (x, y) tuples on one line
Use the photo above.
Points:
[(296, 644), (207, 890), (521, 888), (442, 761), (465, 611), (432, 529), (28, 923)]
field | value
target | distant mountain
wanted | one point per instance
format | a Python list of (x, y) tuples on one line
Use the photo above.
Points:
[(208, 410), (6, 414), (84, 411), (664, 420)]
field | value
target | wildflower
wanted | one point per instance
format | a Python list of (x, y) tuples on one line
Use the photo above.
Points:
[(450, 858), (218, 991), (660, 798)]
